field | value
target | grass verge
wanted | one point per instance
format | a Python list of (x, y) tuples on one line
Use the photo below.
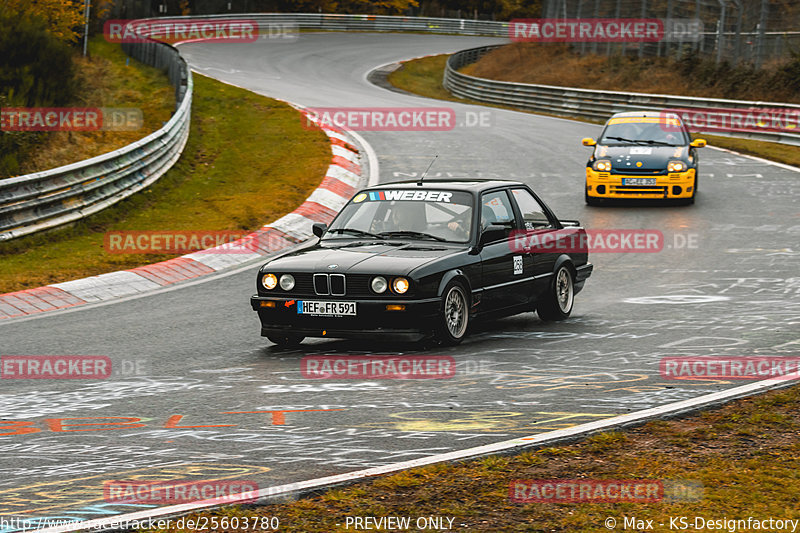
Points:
[(738, 461), (249, 160), (424, 77), (690, 75), (106, 79)]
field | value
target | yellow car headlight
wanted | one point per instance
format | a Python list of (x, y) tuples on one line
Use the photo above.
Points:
[(676, 166), (400, 285), (269, 281), (602, 165)]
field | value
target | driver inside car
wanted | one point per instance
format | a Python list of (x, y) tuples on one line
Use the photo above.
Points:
[(402, 216)]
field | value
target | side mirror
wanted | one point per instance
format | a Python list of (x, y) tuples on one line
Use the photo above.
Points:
[(493, 233), (588, 141), (698, 143), (319, 229)]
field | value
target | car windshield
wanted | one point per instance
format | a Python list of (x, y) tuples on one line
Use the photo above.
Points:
[(419, 214), (653, 132)]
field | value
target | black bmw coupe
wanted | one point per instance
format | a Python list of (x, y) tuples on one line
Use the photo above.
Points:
[(412, 260)]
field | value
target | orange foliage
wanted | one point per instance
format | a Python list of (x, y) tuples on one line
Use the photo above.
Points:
[(63, 17)]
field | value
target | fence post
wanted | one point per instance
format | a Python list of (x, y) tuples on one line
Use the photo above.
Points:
[(737, 47), (578, 15), (720, 31), (760, 37), (644, 15), (700, 44), (596, 15), (617, 14), (661, 44)]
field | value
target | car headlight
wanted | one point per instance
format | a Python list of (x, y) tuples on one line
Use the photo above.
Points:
[(602, 165), (269, 281), (400, 285), (379, 284), (287, 282), (676, 166)]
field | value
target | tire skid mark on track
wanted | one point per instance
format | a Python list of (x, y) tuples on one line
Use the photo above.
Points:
[(269, 494)]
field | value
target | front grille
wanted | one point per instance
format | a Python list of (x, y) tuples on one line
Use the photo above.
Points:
[(321, 284), (638, 189), (640, 171), (329, 284), (337, 284)]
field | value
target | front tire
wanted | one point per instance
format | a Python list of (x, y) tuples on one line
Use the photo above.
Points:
[(285, 341), (590, 200), (558, 301), (454, 314)]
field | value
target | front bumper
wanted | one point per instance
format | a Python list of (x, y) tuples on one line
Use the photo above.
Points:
[(415, 322), (668, 186)]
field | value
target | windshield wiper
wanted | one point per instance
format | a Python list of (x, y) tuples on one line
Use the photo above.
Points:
[(647, 141), (354, 231), (409, 233)]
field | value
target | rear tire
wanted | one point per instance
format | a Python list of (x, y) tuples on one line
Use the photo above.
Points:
[(285, 341), (454, 314), (560, 296)]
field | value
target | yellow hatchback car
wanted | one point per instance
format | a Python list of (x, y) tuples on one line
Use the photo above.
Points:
[(643, 155)]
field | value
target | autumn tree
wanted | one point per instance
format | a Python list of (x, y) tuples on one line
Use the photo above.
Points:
[(379, 7), (63, 18)]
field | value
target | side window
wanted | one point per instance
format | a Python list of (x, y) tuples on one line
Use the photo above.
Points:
[(533, 215), (496, 209)]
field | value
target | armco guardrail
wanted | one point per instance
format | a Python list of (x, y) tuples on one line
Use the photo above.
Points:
[(63, 195), (589, 104), (340, 22), (52, 198)]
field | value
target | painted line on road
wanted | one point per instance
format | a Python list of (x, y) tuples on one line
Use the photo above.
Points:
[(266, 495), (759, 159)]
